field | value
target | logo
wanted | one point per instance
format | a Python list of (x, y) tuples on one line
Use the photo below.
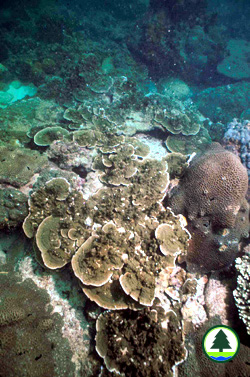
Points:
[(220, 344)]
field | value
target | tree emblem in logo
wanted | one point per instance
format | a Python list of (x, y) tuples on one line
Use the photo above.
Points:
[(221, 341), (220, 344)]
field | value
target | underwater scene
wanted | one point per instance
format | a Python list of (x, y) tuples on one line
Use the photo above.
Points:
[(124, 188)]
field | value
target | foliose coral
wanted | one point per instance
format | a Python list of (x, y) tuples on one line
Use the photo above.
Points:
[(122, 261), (118, 167), (117, 262), (47, 135), (54, 211), (121, 242), (189, 144), (143, 343), (176, 122)]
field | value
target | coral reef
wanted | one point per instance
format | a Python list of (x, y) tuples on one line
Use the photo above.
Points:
[(114, 127), (118, 262)]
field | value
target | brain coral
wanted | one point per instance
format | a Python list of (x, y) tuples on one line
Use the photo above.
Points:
[(214, 186), (31, 344)]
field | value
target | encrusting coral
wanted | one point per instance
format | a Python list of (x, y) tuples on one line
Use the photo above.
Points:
[(18, 165), (31, 341)]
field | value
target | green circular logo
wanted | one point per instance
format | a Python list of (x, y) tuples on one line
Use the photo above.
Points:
[(220, 344)]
